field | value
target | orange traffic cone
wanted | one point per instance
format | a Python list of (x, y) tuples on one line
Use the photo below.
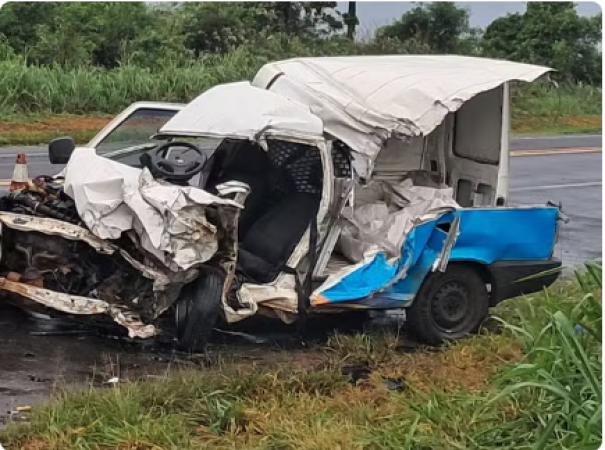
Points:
[(20, 178)]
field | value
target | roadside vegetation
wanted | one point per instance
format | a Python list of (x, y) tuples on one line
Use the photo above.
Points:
[(533, 380), (91, 97), (57, 63)]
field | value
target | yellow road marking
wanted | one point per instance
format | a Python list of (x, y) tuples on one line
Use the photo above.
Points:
[(565, 151)]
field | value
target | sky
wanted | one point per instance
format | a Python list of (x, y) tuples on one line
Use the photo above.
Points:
[(374, 14)]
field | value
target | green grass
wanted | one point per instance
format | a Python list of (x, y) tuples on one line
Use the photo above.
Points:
[(50, 90), (537, 385), (542, 108), (549, 100)]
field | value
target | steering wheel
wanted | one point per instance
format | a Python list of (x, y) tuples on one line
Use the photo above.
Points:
[(175, 168)]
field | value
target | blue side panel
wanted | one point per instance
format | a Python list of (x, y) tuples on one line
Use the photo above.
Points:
[(404, 291), (372, 277), (489, 235), (486, 236)]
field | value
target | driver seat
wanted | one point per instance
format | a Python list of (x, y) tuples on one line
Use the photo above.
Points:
[(270, 241), (246, 162)]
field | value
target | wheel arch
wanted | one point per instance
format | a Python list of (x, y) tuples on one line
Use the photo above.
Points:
[(481, 268)]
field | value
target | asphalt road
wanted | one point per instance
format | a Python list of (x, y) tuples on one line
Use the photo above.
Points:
[(575, 180), (554, 142), (37, 157)]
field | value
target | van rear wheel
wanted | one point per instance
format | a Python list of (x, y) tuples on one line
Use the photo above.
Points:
[(449, 305)]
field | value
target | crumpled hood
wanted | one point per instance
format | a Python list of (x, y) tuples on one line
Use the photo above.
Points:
[(168, 221)]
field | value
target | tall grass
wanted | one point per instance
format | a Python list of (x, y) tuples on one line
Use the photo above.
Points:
[(548, 99), (26, 89), (80, 90), (558, 391)]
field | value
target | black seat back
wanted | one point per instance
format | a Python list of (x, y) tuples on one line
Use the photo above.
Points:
[(246, 162), (271, 240)]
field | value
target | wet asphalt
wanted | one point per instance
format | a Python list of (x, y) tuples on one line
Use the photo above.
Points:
[(575, 180), (32, 365)]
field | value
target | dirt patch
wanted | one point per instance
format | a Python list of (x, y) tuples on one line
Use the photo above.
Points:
[(556, 124), (40, 130), (35, 444), (56, 123), (466, 365)]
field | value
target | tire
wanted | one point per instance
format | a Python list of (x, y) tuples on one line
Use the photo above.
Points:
[(449, 305), (198, 309)]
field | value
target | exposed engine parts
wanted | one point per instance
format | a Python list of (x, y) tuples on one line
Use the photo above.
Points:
[(75, 268), (67, 266), (43, 197)]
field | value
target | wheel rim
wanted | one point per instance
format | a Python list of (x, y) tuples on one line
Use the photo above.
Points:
[(450, 307)]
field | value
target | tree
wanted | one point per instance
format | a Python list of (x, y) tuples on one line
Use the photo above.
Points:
[(218, 27), (18, 19), (438, 25), (500, 39), (470, 43), (163, 42), (73, 32), (305, 19), (118, 23), (351, 20), (551, 34)]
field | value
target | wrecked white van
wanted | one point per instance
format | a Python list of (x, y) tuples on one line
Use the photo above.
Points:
[(328, 184)]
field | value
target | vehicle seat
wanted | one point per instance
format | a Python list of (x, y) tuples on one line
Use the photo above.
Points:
[(246, 162), (270, 241)]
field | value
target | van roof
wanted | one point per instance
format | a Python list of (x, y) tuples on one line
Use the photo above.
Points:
[(362, 98)]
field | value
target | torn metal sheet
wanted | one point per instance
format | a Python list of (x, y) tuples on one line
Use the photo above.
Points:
[(160, 293), (170, 221), (73, 304), (384, 239), (56, 227), (53, 227), (242, 111), (440, 263)]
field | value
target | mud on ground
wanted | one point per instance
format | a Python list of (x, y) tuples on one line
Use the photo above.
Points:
[(37, 355)]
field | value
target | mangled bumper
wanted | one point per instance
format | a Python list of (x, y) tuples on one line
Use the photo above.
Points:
[(166, 284), (73, 304)]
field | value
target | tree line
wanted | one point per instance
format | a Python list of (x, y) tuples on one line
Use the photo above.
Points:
[(110, 34)]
